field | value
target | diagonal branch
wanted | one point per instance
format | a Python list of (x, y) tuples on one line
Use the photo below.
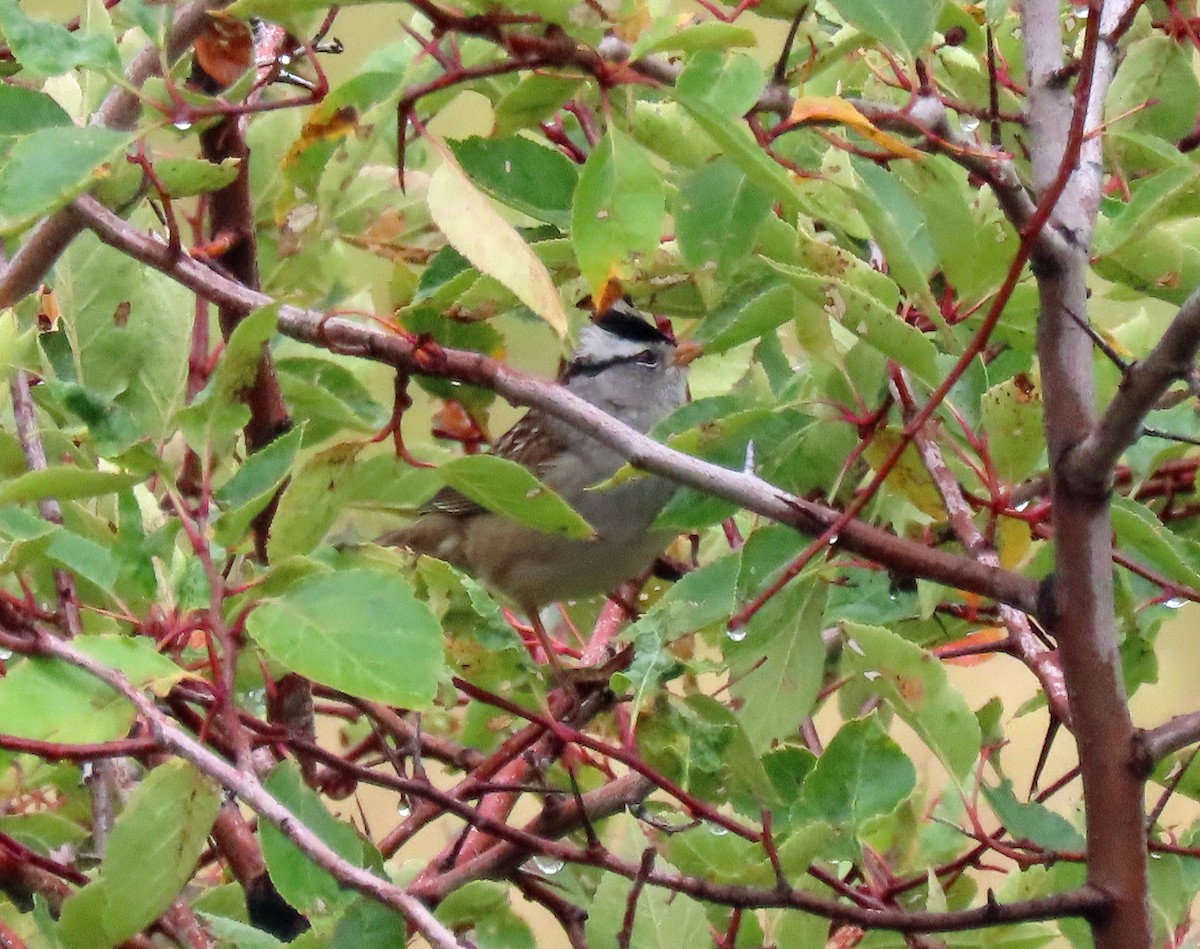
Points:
[(1088, 466), (164, 730), (745, 489), (119, 110)]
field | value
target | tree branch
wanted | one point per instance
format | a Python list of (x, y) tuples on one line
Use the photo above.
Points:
[(164, 730), (1088, 466), (119, 110), (1154, 744), (742, 488)]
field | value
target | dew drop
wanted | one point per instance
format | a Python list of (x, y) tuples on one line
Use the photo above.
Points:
[(833, 540), (968, 123), (547, 865), (1175, 602), (284, 59), (183, 125), (5, 655), (717, 830), (737, 634), (404, 808)]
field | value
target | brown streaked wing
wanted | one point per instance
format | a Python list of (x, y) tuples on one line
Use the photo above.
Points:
[(527, 443)]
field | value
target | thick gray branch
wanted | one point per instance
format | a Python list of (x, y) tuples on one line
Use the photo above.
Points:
[(1088, 467), (1155, 744), (745, 489)]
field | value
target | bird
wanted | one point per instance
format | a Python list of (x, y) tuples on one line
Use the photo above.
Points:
[(635, 372)]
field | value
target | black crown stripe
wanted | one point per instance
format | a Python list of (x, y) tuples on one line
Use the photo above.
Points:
[(624, 322)]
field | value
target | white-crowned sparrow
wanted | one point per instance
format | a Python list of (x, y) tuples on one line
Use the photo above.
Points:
[(627, 367)]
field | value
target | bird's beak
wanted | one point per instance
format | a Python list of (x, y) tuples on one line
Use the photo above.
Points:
[(687, 351)]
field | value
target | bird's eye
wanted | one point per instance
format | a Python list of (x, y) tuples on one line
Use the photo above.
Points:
[(647, 357)]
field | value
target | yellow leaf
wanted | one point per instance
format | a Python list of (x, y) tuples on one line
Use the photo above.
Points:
[(842, 112), (477, 231), (1014, 540), (909, 478)]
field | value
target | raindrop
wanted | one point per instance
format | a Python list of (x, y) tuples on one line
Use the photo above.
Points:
[(833, 540), (183, 125), (968, 123), (1175, 602), (404, 808), (737, 634), (547, 865), (717, 830)]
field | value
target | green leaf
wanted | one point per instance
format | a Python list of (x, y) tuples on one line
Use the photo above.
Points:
[(730, 85), (862, 774), (907, 27), (522, 174), (536, 97), (311, 502), (66, 484), (1171, 192), (1032, 821), (307, 887), (239, 934), (129, 328), (898, 226), (663, 920), (49, 700), (48, 168), (1140, 532), (508, 488), (49, 48), (252, 486), (480, 910), (860, 310), (328, 397), (737, 143), (184, 177), (915, 685), (85, 558), (712, 35), (217, 415), (361, 631), (618, 210), (963, 239), (154, 845), (1011, 414), (370, 925), (778, 663), (757, 301), (1155, 72), (23, 111), (718, 215)]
